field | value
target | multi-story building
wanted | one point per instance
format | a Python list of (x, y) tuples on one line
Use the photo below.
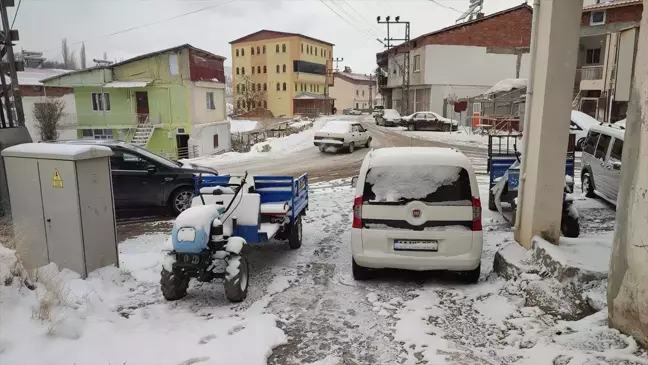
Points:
[(606, 55), (459, 61), (171, 102), (353, 90), (286, 73)]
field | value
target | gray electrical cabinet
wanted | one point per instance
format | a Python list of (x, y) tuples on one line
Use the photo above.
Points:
[(62, 205)]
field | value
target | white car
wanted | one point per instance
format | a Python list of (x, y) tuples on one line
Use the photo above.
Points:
[(416, 208), (390, 117), (579, 125), (355, 112), (340, 134)]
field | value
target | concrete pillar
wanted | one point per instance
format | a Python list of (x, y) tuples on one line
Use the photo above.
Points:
[(627, 287), (558, 32)]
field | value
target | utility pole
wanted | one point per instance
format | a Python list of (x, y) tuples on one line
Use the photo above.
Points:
[(406, 53), (337, 61), (11, 67), (371, 81)]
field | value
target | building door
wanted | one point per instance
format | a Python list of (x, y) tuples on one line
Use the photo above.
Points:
[(141, 98), (182, 141), (589, 106)]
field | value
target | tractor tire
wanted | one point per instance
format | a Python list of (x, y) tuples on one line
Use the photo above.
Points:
[(569, 226), (236, 287), (587, 186), (295, 239), (174, 284), (491, 202)]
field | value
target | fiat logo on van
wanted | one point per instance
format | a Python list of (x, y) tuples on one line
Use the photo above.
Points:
[(416, 213)]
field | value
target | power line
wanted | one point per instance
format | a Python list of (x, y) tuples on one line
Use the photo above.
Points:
[(370, 25), (16, 14), (346, 20), (148, 24), (446, 6), (367, 29)]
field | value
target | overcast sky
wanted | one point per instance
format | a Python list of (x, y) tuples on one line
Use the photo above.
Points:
[(43, 23)]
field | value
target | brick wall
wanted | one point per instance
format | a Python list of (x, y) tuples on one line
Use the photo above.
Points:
[(621, 14)]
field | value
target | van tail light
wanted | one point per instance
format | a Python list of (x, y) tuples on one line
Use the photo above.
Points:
[(357, 212), (477, 214)]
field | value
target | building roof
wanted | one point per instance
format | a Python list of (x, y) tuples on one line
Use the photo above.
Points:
[(277, 34), (612, 4), (89, 69), (167, 50), (462, 25), (33, 76), (353, 77)]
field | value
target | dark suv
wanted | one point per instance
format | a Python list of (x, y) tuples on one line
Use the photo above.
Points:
[(142, 179)]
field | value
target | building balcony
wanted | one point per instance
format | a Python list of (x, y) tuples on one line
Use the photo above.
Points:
[(591, 77)]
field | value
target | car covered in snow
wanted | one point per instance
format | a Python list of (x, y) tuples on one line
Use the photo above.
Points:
[(579, 124), (144, 180), (340, 134), (416, 208), (428, 121), (388, 118)]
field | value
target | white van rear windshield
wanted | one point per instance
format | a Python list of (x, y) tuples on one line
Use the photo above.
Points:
[(430, 184)]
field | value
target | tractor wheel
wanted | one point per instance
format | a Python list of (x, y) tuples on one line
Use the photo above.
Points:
[(491, 202), (236, 286), (295, 239), (587, 186), (174, 284), (569, 226)]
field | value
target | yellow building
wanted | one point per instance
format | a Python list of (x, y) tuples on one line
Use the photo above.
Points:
[(285, 73)]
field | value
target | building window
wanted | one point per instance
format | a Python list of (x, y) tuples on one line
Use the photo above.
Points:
[(357, 92), (253, 88), (284, 86), (417, 63), (238, 72), (295, 87), (97, 133), (284, 68), (278, 69), (283, 48), (394, 70), (362, 92), (238, 104), (258, 69), (311, 87), (597, 17), (100, 102), (259, 87), (263, 49), (237, 52), (324, 53), (278, 87), (265, 87), (252, 70), (265, 104), (242, 70), (356, 105), (252, 50), (302, 47), (215, 139), (238, 88), (243, 88), (593, 56), (308, 49), (209, 99), (253, 104), (265, 69), (242, 51), (277, 48), (258, 50), (317, 88), (315, 51)]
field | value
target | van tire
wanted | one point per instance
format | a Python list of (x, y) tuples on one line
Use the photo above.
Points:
[(587, 185), (491, 202), (360, 273), (472, 276)]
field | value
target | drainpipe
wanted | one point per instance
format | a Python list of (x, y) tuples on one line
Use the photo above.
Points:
[(612, 94), (527, 107)]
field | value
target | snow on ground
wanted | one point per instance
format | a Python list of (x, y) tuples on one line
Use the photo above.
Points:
[(242, 125), (303, 308), (459, 137)]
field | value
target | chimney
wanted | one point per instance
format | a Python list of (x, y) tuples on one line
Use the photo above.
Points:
[(479, 15)]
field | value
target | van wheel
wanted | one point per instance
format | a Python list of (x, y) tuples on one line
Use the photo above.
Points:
[(351, 147), (295, 239), (411, 127), (472, 276), (587, 185), (491, 202), (360, 273)]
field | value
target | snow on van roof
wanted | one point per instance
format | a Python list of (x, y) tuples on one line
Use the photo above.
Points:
[(393, 156), (583, 120), (336, 126), (609, 130)]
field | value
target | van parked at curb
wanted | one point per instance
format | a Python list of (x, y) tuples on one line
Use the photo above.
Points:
[(416, 208), (602, 155)]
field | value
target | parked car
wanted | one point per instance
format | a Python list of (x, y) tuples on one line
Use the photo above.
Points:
[(142, 179), (355, 112), (429, 121), (339, 134), (579, 125), (389, 117), (377, 110), (416, 208), (601, 160)]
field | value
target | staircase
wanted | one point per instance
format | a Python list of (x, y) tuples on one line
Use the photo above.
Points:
[(142, 135)]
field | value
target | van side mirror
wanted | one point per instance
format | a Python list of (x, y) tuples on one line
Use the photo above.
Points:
[(354, 181)]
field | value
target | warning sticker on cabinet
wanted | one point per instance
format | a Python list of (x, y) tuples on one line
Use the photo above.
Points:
[(57, 181)]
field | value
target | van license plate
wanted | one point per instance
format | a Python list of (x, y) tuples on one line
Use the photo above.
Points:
[(411, 245)]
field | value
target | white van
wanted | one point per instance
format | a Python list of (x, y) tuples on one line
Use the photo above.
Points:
[(416, 208), (601, 162)]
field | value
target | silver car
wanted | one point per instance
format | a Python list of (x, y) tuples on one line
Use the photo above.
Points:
[(602, 152)]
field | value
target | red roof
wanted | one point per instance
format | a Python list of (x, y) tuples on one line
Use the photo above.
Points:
[(277, 34), (612, 4)]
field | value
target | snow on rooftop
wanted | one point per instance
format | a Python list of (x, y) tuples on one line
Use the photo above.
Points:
[(33, 76), (242, 125), (126, 84), (57, 151), (507, 85)]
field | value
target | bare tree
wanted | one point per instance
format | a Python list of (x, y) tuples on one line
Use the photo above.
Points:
[(47, 115), (248, 94), (83, 56)]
